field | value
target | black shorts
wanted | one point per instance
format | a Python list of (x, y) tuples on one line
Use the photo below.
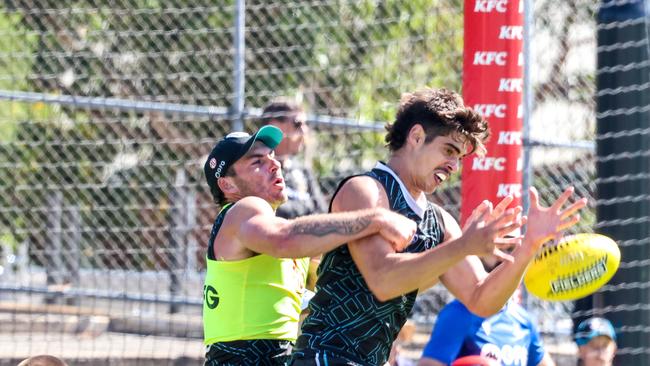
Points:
[(321, 358), (263, 352)]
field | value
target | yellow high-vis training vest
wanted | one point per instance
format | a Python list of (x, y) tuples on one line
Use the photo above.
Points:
[(253, 298)]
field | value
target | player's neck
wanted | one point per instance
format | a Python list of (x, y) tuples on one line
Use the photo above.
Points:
[(402, 168)]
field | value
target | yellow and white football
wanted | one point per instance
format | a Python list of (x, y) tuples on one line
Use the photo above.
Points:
[(572, 268)]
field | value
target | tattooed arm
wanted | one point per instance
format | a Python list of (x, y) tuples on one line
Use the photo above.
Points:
[(251, 223)]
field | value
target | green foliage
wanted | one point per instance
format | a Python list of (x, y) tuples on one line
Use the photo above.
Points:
[(17, 45), (355, 59), (347, 58)]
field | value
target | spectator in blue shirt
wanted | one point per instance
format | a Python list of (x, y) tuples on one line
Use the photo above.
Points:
[(304, 196)]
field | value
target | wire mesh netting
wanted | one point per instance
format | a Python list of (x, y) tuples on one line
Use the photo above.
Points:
[(109, 108)]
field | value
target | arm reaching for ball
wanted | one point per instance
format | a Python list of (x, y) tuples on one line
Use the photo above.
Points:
[(485, 294)]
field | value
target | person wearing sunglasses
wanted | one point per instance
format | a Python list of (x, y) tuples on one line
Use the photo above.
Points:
[(304, 196)]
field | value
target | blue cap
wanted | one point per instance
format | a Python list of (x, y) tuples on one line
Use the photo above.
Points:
[(594, 327)]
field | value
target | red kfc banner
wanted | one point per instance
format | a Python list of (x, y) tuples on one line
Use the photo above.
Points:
[(493, 86)]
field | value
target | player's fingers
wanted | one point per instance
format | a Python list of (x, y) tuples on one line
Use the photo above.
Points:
[(533, 197), (511, 214), (523, 220), (559, 202), (505, 257), (397, 245), (476, 212), (579, 204), (483, 209), (411, 236), (407, 233), (489, 208), (567, 223), (509, 228), (501, 206), (508, 242)]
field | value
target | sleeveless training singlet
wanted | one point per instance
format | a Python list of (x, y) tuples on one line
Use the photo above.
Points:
[(253, 298), (346, 319)]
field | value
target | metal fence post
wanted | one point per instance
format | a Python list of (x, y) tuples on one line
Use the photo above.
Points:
[(72, 246), (528, 109), (622, 151), (177, 236), (239, 55), (527, 104), (191, 246), (54, 244)]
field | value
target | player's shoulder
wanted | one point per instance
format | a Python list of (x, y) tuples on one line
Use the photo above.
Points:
[(361, 191), (250, 202), (361, 182), (250, 206)]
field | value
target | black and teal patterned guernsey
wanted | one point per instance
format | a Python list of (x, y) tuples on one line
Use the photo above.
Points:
[(346, 321)]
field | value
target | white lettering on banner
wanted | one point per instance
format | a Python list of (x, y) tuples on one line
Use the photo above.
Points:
[(489, 110), (520, 59), (511, 85), (520, 111), (512, 32), (509, 189), (487, 163), (487, 6), (521, 6), (520, 164), (509, 138), (490, 58)]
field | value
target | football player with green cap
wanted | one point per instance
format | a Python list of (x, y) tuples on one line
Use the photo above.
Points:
[(257, 262)]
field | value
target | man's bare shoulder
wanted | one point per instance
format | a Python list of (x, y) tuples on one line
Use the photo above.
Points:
[(244, 210), (360, 192), (250, 206), (230, 246)]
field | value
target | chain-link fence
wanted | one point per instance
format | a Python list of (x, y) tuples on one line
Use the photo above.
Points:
[(590, 83), (561, 146), (108, 109)]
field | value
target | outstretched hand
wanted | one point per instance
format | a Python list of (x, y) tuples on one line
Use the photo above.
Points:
[(545, 223), (486, 227)]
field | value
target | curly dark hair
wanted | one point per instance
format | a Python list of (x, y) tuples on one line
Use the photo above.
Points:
[(440, 112)]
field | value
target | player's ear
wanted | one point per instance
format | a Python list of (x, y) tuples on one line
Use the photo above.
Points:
[(416, 135), (227, 185)]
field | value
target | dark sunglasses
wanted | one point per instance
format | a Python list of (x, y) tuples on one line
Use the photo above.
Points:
[(297, 123)]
